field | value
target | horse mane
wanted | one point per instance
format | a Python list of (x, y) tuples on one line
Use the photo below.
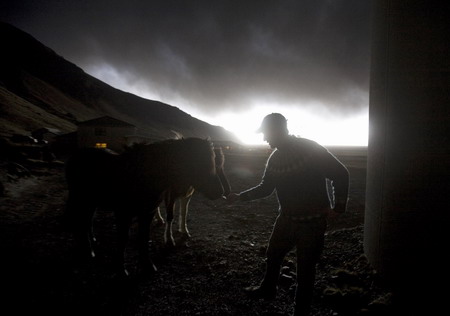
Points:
[(168, 147), (140, 147)]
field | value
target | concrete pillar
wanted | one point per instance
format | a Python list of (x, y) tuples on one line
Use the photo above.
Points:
[(408, 197)]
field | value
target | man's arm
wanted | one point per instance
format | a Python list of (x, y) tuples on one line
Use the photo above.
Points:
[(265, 188), (334, 170)]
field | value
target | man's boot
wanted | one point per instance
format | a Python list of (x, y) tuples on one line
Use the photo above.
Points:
[(268, 288)]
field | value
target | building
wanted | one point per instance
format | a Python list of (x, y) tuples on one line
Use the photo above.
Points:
[(107, 132)]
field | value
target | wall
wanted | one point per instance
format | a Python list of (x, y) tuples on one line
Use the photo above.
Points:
[(407, 208)]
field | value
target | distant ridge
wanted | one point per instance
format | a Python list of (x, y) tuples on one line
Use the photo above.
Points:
[(40, 88)]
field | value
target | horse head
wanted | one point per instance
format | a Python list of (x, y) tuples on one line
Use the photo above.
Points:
[(200, 161)]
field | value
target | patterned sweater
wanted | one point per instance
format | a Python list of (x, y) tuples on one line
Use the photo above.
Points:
[(298, 173)]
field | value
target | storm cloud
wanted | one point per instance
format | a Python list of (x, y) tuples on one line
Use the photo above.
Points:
[(215, 55)]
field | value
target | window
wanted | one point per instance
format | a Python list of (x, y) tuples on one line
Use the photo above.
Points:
[(99, 131), (101, 145)]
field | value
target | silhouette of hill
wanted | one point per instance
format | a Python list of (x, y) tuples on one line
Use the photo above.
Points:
[(39, 88)]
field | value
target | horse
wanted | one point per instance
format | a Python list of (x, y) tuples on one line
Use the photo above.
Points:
[(183, 195), (132, 185)]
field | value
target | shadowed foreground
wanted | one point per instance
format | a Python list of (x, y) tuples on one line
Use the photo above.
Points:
[(202, 276)]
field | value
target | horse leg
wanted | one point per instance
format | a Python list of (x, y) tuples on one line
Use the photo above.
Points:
[(145, 262), (168, 233), (91, 235), (184, 205), (123, 224), (90, 230), (79, 217), (159, 218)]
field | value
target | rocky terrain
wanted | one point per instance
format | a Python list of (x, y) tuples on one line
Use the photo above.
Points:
[(204, 275)]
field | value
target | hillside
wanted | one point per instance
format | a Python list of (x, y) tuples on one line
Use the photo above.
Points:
[(39, 88)]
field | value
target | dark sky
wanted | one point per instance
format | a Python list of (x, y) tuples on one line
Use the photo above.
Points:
[(214, 56)]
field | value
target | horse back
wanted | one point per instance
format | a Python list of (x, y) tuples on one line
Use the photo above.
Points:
[(102, 178), (91, 170)]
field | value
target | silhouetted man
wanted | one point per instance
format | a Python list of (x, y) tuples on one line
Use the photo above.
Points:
[(297, 170)]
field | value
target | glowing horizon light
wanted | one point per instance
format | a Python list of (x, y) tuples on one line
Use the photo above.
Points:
[(311, 120), (326, 130)]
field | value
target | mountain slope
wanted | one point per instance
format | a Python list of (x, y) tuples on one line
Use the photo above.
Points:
[(39, 88)]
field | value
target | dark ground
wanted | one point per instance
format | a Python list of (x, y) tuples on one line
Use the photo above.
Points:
[(203, 276)]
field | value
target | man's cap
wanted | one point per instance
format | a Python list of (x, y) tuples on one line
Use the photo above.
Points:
[(274, 121)]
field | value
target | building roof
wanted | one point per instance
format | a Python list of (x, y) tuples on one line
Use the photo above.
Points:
[(47, 130), (106, 121)]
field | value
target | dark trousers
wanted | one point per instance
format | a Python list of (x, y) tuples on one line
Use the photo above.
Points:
[(308, 237)]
